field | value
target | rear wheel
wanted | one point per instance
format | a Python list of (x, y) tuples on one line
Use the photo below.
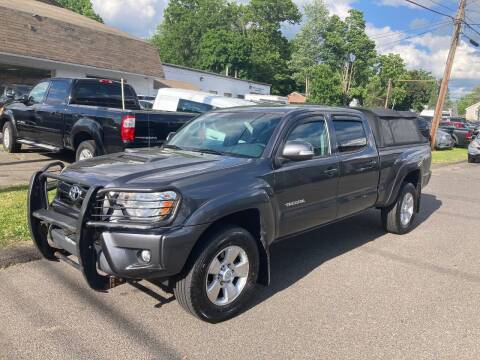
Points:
[(471, 159), (10, 144), (86, 150), (399, 217), (223, 276)]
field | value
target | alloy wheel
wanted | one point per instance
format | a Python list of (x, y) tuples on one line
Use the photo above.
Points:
[(227, 275), (407, 208)]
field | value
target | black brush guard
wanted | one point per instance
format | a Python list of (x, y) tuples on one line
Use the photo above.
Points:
[(41, 217)]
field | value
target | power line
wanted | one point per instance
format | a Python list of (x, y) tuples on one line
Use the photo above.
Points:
[(395, 32), (440, 4), (384, 46), (430, 9), (443, 14)]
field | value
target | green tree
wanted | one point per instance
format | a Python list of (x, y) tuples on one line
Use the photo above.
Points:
[(348, 50), (467, 100), (419, 91), (307, 43), (388, 67), (220, 49), (325, 86), (185, 22), (83, 7), (270, 49)]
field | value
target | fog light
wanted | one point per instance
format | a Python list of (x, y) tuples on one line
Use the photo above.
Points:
[(146, 256)]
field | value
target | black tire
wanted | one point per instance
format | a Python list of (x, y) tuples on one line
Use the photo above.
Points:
[(191, 290), (86, 146), (13, 146), (391, 216), (471, 159)]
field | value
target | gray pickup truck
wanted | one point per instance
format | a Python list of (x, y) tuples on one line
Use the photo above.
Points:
[(200, 214)]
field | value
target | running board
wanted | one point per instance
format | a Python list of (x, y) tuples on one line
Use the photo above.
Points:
[(39, 145)]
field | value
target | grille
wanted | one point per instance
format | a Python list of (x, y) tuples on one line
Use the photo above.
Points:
[(71, 194)]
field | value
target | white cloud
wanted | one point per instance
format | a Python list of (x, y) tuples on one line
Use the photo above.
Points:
[(141, 17), (138, 17), (429, 52)]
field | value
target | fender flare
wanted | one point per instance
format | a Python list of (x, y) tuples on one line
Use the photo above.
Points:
[(255, 198), (91, 127), (402, 173)]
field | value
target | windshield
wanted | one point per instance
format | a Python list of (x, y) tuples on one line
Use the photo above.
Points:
[(242, 134)]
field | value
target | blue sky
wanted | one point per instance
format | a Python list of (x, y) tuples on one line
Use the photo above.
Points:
[(420, 36)]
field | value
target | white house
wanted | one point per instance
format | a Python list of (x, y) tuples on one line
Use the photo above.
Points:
[(472, 112), (214, 83)]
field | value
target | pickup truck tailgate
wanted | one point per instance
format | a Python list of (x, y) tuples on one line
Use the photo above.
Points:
[(154, 126)]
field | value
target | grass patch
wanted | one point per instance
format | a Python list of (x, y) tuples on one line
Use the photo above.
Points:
[(13, 216), (447, 156)]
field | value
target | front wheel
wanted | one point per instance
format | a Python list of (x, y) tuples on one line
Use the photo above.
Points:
[(399, 217), (471, 159), (10, 144), (223, 276)]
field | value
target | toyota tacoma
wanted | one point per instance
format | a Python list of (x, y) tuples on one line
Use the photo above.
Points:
[(199, 214)]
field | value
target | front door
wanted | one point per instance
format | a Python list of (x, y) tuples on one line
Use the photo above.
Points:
[(25, 113), (49, 115), (306, 190)]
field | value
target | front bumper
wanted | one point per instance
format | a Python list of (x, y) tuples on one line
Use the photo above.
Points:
[(105, 249)]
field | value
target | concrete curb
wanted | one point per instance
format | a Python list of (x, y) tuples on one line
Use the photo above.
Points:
[(18, 254)]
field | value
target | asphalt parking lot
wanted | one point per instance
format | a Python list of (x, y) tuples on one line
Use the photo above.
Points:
[(348, 291), (16, 169)]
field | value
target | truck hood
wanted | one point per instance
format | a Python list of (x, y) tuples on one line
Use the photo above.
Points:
[(148, 168)]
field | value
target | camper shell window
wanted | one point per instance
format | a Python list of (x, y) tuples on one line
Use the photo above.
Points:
[(394, 128)]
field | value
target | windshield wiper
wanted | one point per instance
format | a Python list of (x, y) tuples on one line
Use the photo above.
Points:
[(208, 151), (175, 147)]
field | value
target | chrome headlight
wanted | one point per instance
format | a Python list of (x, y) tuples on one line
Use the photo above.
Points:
[(131, 206)]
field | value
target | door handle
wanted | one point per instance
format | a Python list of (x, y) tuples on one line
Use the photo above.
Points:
[(331, 172), (368, 166)]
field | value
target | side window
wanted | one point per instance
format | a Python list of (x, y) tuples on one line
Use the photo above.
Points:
[(350, 134), (316, 133), (38, 92), (58, 92), (192, 106)]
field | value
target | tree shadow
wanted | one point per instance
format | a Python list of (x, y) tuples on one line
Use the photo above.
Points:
[(295, 258)]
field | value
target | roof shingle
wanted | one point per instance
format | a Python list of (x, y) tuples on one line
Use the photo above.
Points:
[(35, 29)]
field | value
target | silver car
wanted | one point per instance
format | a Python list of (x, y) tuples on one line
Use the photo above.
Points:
[(474, 150), (444, 140)]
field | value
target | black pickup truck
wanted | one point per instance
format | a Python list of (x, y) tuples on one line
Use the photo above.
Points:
[(200, 214), (86, 116)]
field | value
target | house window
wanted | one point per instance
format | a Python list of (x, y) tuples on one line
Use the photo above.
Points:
[(213, 92), (227, 94)]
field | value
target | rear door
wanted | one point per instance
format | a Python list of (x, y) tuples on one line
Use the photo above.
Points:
[(306, 190), (359, 164), (50, 114)]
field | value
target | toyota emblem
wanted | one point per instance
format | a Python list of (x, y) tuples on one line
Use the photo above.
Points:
[(75, 192)]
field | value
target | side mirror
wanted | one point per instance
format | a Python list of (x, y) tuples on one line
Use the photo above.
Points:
[(298, 150), (24, 99), (170, 136)]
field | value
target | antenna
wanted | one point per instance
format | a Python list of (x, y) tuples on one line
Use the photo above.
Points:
[(123, 94)]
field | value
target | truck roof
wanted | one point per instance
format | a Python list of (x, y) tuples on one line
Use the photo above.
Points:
[(285, 109)]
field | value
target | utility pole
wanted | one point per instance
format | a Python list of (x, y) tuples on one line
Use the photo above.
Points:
[(448, 71), (389, 90)]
